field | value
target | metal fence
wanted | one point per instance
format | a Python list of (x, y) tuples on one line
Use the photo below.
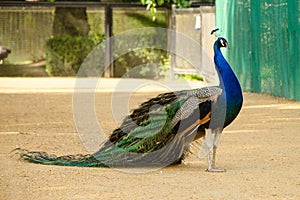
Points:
[(25, 30), (27, 26)]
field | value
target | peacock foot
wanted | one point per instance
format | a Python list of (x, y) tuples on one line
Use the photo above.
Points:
[(215, 169)]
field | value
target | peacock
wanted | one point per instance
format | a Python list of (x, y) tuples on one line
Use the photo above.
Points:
[(4, 51), (159, 132)]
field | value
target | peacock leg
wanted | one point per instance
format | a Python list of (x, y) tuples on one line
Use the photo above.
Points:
[(212, 138), (208, 143)]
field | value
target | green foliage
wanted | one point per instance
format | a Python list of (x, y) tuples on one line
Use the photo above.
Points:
[(65, 54), (190, 77), (141, 62), (152, 4), (164, 67)]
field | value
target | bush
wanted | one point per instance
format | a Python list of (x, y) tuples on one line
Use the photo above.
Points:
[(190, 77), (65, 54), (144, 61)]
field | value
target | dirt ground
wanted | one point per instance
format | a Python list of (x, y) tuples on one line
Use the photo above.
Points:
[(260, 150)]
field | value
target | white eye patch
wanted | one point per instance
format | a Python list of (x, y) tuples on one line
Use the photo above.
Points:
[(222, 43)]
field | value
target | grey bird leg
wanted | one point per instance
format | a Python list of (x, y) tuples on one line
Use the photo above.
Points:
[(212, 139)]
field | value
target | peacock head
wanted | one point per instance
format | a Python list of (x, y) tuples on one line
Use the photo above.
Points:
[(222, 42)]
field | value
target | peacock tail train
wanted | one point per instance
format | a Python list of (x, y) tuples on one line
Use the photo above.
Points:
[(157, 133)]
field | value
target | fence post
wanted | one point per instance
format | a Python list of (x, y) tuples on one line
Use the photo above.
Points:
[(108, 42), (173, 42)]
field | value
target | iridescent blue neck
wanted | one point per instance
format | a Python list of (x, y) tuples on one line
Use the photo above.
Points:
[(226, 75), (230, 85)]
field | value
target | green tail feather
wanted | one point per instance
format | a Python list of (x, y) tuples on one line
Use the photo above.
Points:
[(70, 160)]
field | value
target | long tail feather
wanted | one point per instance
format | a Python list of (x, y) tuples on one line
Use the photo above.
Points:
[(78, 160), (158, 133), (113, 157)]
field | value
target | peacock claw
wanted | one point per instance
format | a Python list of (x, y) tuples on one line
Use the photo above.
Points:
[(215, 170)]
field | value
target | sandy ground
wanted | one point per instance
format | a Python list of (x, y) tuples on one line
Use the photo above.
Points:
[(260, 150)]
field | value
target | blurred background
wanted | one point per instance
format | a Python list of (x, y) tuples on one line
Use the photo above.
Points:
[(52, 38)]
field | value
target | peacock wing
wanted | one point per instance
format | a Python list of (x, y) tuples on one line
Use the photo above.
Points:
[(153, 124)]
